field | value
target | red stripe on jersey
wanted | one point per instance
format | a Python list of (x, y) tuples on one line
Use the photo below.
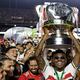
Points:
[(50, 78), (67, 75)]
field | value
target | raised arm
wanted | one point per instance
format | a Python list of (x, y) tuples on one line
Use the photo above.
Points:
[(39, 52), (77, 49), (41, 43)]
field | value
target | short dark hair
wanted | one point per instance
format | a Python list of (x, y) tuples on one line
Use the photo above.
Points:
[(10, 48), (58, 51), (49, 51), (1, 64), (32, 58), (29, 42)]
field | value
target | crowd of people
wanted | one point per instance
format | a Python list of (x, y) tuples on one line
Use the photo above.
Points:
[(32, 61)]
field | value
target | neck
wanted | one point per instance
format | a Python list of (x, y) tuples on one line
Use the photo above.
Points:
[(57, 75), (59, 69)]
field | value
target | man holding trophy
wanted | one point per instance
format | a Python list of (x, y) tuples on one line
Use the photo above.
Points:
[(60, 39)]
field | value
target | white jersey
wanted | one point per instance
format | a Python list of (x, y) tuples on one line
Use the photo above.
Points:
[(69, 73)]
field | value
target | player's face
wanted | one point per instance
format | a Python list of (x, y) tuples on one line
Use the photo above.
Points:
[(59, 60)]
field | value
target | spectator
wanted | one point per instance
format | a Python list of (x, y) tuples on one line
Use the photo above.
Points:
[(20, 53), (49, 56), (29, 45), (1, 72), (8, 67), (12, 43), (33, 73), (11, 53)]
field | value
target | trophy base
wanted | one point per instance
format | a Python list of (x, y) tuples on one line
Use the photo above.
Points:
[(65, 46), (59, 42)]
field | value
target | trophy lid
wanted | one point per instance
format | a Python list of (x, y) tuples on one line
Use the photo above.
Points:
[(58, 10)]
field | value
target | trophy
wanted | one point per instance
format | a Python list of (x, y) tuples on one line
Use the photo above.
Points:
[(57, 18)]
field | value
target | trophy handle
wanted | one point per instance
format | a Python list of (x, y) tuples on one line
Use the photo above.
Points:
[(38, 10)]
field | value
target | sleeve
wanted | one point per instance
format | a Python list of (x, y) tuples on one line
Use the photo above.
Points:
[(48, 71), (71, 68)]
